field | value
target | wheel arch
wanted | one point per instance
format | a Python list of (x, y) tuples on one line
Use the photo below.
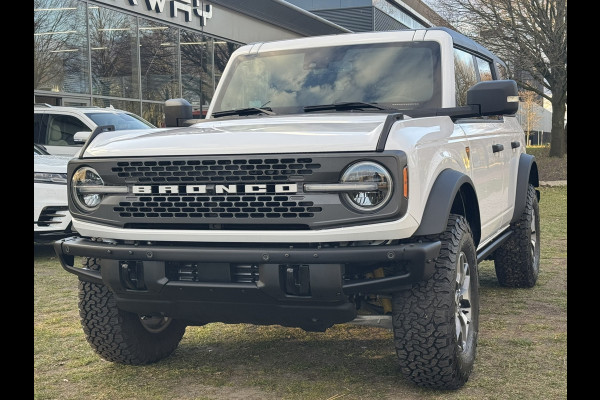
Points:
[(527, 173), (452, 192)]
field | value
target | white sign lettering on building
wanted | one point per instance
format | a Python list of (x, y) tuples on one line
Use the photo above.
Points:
[(191, 9)]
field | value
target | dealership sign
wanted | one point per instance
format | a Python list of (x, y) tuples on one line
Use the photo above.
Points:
[(191, 10)]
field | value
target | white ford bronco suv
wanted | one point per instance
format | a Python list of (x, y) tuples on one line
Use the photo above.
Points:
[(335, 179)]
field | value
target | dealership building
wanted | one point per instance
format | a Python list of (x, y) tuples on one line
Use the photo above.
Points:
[(136, 54)]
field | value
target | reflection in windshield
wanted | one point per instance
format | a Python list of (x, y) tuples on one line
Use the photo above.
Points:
[(399, 75)]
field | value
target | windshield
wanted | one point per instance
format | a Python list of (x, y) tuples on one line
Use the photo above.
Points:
[(120, 120), (396, 75)]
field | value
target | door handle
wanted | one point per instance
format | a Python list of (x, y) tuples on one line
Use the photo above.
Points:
[(514, 145), (497, 147)]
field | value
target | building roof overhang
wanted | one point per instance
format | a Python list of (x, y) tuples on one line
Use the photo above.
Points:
[(284, 15)]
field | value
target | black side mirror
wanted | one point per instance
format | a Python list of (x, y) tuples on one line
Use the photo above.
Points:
[(494, 97), (176, 112)]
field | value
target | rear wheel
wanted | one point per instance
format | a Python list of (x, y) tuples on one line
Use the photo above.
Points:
[(121, 336), (517, 261), (436, 322)]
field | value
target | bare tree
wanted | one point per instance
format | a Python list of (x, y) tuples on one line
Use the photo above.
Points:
[(113, 53), (531, 36), (53, 37), (465, 78), (222, 53), (529, 115)]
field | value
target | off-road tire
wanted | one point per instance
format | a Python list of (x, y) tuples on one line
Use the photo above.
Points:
[(120, 336), (435, 327), (517, 261)]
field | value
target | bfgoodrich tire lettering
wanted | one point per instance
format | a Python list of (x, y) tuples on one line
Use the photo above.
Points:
[(120, 336), (436, 322), (517, 261)]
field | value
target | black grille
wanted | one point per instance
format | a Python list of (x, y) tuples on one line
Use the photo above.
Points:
[(211, 272), (223, 207), (223, 170), (209, 171), (52, 215), (243, 273)]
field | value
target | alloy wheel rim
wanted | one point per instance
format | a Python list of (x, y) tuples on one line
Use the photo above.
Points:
[(533, 237), (463, 300)]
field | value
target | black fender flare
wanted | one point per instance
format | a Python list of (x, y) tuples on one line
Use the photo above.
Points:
[(448, 186), (527, 173)]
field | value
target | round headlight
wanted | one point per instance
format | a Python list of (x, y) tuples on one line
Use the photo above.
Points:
[(368, 172), (84, 185)]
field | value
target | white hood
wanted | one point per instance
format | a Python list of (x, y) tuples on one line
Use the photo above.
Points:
[(250, 135)]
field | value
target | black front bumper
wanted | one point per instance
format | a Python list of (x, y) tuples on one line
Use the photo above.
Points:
[(303, 287)]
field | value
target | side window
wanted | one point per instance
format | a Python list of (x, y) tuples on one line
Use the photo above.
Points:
[(465, 75), (61, 129), (485, 69), (502, 73)]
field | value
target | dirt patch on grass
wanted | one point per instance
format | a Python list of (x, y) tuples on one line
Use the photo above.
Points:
[(189, 388), (549, 168)]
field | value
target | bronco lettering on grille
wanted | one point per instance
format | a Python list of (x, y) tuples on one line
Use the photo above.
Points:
[(217, 189)]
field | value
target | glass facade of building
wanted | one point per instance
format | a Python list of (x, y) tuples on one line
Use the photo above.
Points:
[(89, 54)]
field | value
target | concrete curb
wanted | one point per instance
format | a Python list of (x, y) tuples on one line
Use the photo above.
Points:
[(553, 183)]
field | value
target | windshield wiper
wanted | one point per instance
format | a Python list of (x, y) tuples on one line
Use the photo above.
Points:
[(244, 111), (350, 105)]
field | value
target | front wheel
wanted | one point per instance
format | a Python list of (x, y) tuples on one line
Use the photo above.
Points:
[(121, 336), (436, 322)]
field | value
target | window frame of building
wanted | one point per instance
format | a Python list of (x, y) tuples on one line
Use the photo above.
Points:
[(61, 47), (123, 90), (114, 54)]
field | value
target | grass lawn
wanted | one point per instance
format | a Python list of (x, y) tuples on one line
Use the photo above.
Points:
[(522, 352)]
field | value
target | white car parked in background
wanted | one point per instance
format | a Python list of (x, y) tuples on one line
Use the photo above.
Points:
[(64, 130), (51, 217)]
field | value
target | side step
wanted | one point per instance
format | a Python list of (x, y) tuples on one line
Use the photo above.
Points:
[(490, 247), (379, 321)]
